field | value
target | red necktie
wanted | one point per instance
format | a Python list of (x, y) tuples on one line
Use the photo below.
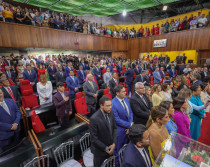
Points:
[(116, 82), (11, 94)]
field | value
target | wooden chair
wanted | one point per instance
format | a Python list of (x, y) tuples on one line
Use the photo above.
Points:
[(80, 118), (25, 120)]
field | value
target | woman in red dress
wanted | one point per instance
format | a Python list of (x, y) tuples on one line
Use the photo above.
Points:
[(41, 70)]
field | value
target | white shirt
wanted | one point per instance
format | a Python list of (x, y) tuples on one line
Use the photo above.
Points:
[(4, 105), (146, 159), (203, 21), (45, 91)]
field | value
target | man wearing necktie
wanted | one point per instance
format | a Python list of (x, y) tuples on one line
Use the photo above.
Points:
[(9, 73), (97, 72), (172, 72), (140, 77), (123, 117), (137, 70), (51, 71), (103, 132), (68, 68), (156, 75), (30, 75), (60, 76), (9, 121), (119, 68), (81, 75), (73, 84), (136, 153), (112, 83)]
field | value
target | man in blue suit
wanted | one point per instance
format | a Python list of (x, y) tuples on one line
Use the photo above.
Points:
[(68, 68), (30, 75), (51, 71), (123, 118), (83, 65), (136, 153), (81, 75), (162, 73), (119, 68), (73, 84), (137, 69), (151, 68), (157, 76), (129, 78), (9, 73), (97, 72), (172, 72), (9, 121), (110, 67)]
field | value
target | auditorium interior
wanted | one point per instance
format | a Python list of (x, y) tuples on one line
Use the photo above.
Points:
[(114, 36)]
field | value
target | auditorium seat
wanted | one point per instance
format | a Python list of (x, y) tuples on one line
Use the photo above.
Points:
[(152, 80), (134, 75), (36, 122), (126, 89), (81, 106), (122, 83), (24, 82), (29, 101), (78, 95), (105, 91), (108, 95), (103, 71), (24, 88)]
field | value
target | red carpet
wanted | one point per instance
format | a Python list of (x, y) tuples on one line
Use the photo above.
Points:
[(205, 131)]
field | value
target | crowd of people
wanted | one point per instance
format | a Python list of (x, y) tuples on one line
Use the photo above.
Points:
[(67, 22), (162, 97)]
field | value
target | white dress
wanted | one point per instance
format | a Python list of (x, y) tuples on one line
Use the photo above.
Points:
[(44, 91)]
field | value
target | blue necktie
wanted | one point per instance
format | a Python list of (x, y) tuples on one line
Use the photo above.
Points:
[(125, 107)]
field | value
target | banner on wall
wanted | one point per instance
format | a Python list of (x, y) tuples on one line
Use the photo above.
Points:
[(159, 43)]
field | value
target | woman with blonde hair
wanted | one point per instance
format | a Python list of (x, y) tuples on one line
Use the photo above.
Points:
[(157, 130), (44, 90), (157, 96), (148, 92)]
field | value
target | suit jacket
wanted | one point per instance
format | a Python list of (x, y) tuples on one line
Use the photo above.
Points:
[(172, 73), (162, 74), (72, 84), (123, 120), (112, 85), (139, 78), (12, 75), (84, 66), (9, 62), (89, 92), (97, 73), (129, 76), (137, 71), (119, 68), (157, 77), (151, 69), (100, 134), (51, 72), (141, 111), (111, 68), (107, 77), (62, 106), (147, 79), (166, 60), (32, 77), (198, 82), (67, 70), (15, 92), (81, 76), (7, 120), (133, 158), (59, 77)]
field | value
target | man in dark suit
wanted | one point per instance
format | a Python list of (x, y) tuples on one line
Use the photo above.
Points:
[(181, 68), (68, 68), (11, 92), (60, 76), (9, 73), (83, 65), (62, 102), (140, 104), (119, 68), (97, 72), (129, 78), (184, 58), (140, 77), (112, 83), (91, 93), (8, 61), (151, 68), (147, 78), (172, 72), (137, 69), (166, 59), (103, 132), (162, 73), (81, 75), (136, 153), (123, 117), (196, 78), (30, 75), (9, 120), (51, 71), (73, 84)]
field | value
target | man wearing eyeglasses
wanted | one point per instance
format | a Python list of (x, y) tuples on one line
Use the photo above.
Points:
[(140, 104), (136, 152)]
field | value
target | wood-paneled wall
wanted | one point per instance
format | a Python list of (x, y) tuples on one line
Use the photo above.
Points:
[(24, 36), (197, 39)]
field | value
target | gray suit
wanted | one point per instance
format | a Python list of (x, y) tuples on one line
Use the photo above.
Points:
[(59, 77), (89, 92), (107, 77)]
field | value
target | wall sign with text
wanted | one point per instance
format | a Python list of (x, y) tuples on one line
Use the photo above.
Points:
[(159, 43)]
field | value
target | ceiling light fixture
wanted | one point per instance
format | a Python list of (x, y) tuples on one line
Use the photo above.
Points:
[(165, 8), (124, 13)]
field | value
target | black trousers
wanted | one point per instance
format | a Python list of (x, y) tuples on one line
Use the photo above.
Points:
[(91, 108), (98, 160), (64, 121)]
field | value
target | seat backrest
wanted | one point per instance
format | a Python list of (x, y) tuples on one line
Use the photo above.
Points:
[(26, 87), (110, 162), (84, 142), (27, 92), (41, 161), (24, 82), (121, 154), (122, 83), (29, 101), (126, 89), (64, 152), (36, 122), (108, 95), (33, 115), (78, 95), (81, 106), (105, 91)]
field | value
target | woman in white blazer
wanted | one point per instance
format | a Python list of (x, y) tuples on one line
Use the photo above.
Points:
[(44, 90)]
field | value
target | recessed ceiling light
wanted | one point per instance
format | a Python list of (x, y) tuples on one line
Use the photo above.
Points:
[(124, 13), (165, 8)]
